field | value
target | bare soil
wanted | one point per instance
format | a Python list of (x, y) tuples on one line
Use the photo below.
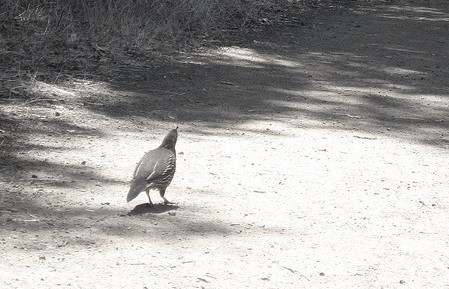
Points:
[(309, 156)]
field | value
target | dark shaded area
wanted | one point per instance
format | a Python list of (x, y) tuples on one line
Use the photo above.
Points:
[(43, 172), (23, 137), (34, 226), (397, 50), (151, 209)]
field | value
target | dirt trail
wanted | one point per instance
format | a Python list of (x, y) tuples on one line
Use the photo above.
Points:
[(312, 156)]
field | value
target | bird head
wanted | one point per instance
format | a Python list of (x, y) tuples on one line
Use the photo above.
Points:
[(169, 141)]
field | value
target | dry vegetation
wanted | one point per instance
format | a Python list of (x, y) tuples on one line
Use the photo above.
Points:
[(47, 40), (73, 35), (120, 22)]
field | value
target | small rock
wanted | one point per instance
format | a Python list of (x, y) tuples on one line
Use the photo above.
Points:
[(57, 114), (83, 163), (402, 282), (33, 176), (172, 213), (321, 274), (42, 258)]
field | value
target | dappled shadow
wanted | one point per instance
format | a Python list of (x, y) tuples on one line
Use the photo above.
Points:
[(32, 226), (22, 132), (365, 71), (35, 152), (51, 174)]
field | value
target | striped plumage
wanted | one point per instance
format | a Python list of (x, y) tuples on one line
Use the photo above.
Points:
[(156, 169)]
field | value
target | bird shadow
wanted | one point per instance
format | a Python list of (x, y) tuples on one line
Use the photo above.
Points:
[(152, 209)]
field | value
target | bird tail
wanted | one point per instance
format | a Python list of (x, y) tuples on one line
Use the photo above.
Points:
[(137, 186)]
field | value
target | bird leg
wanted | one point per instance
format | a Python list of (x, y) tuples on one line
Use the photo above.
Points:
[(149, 200), (162, 193)]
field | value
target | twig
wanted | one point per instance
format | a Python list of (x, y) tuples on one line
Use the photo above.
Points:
[(260, 192), (201, 279), (295, 272), (289, 269), (365, 137), (32, 220), (40, 99)]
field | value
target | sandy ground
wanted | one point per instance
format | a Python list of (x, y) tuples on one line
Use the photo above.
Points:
[(309, 156)]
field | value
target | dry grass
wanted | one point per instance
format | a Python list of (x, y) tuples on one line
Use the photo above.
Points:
[(42, 36), (121, 23), (50, 40)]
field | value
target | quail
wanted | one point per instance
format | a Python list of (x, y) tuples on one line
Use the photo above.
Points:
[(156, 169)]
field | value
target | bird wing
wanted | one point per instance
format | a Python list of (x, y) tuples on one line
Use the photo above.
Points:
[(138, 184), (155, 172), (153, 164), (137, 168)]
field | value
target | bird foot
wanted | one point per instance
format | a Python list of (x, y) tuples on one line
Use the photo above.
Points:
[(167, 202)]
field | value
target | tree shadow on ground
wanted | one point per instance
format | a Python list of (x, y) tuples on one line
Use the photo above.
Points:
[(380, 69), (35, 226), (23, 156), (376, 69)]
